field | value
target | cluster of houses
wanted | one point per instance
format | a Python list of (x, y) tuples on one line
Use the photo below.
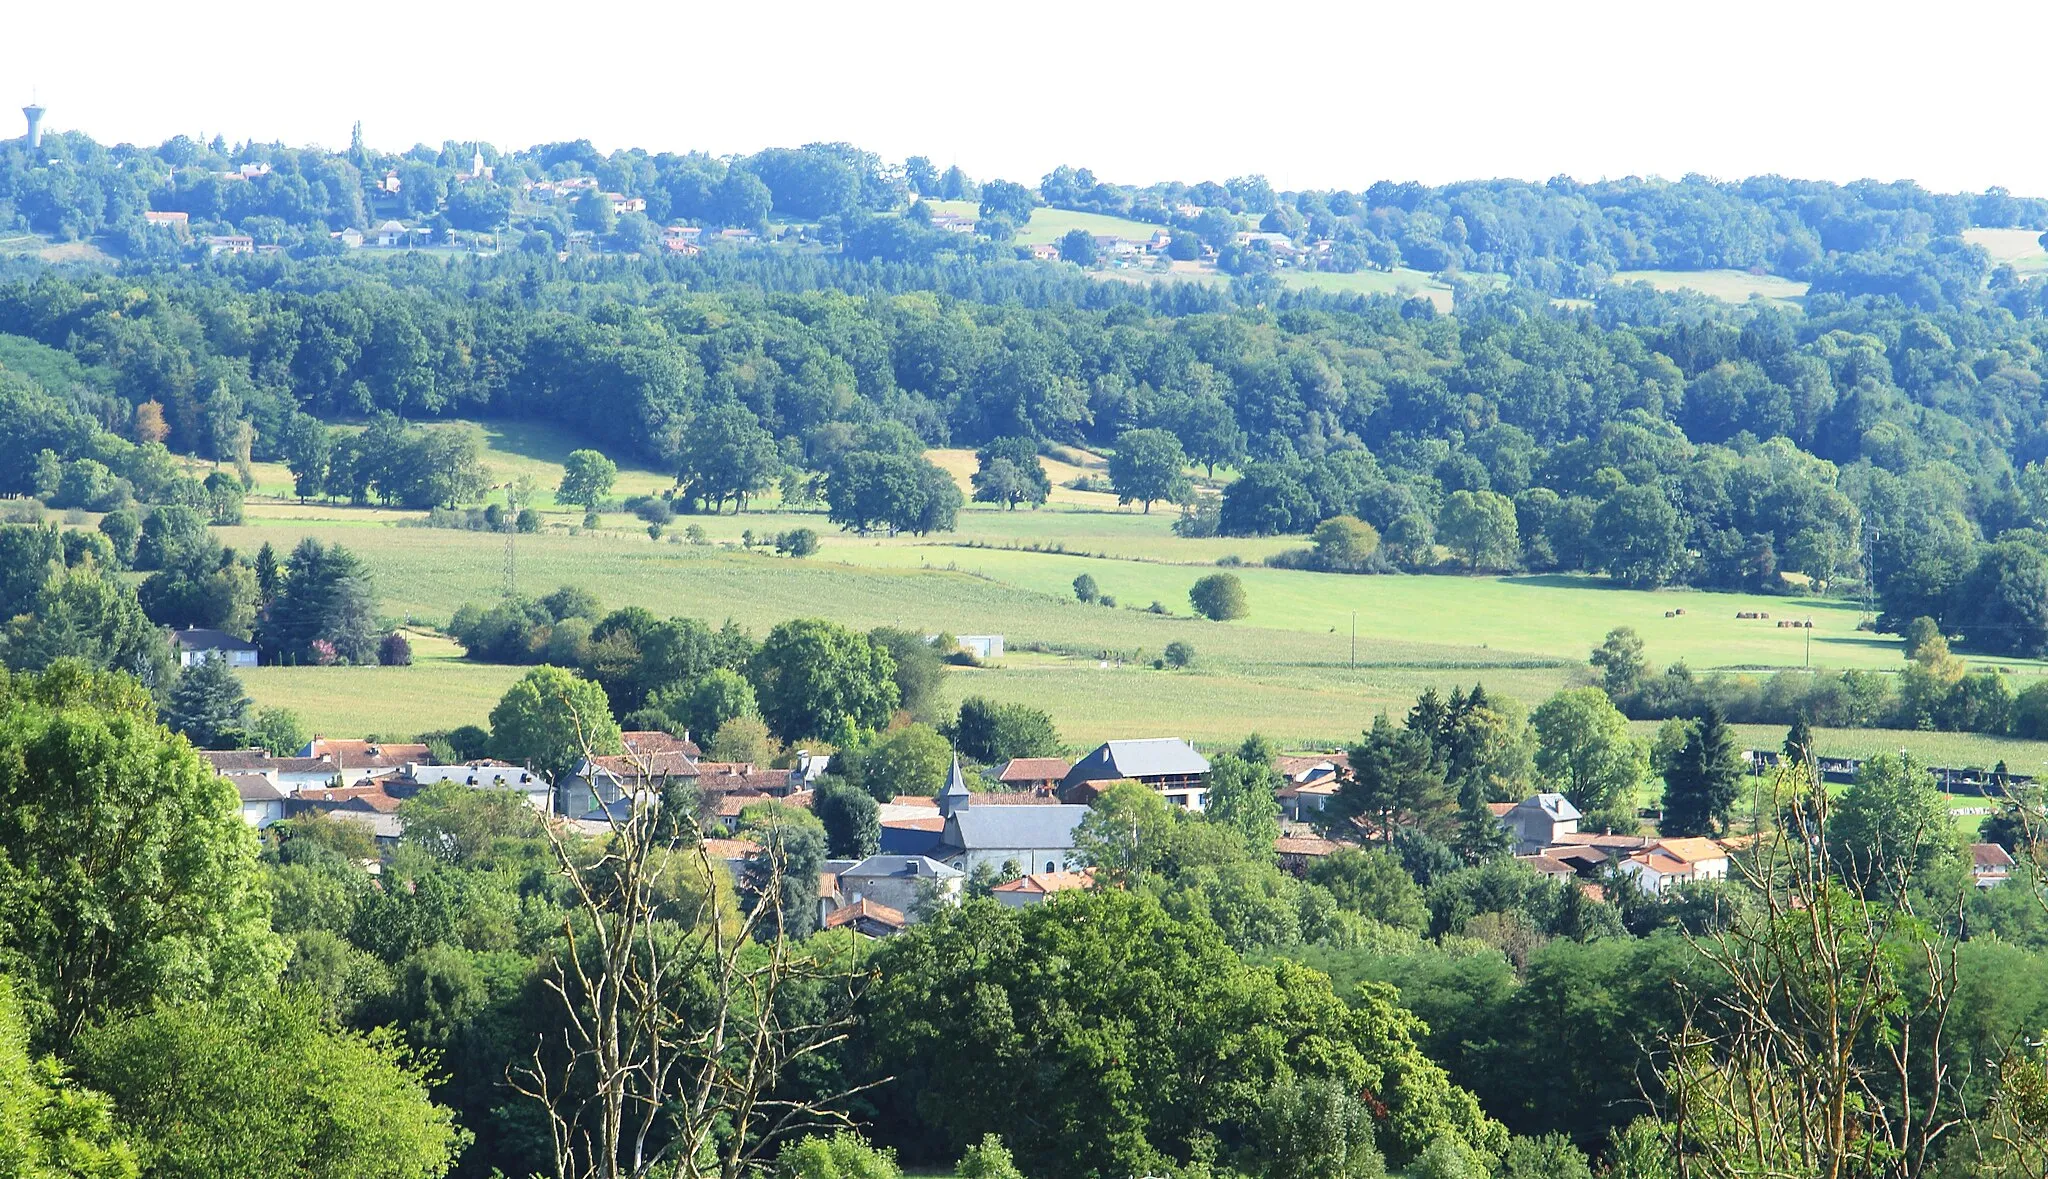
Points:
[(1018, 829)]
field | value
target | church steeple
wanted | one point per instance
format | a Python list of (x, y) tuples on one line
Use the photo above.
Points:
[(955, 797)]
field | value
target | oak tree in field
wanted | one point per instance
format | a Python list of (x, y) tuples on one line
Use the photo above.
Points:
[(1219, 597), (587, 478), (1147, 467)]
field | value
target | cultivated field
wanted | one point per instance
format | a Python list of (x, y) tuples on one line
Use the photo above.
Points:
[(1406, 283), (2020, 247), (1734, 286)]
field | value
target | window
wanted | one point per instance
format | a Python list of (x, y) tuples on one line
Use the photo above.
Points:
[(1049, 867)]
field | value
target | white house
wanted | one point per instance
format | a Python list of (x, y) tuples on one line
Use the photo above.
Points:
[(262, 800), (391, 235), (486, 775), (1670, 862), (196, 644)]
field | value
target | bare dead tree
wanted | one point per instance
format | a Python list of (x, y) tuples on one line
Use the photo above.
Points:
[(675, 1048), (1821, 1054)]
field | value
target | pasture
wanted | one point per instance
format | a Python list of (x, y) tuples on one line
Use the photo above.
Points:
[(1732, 286), (1287, 670), (1405, 283)]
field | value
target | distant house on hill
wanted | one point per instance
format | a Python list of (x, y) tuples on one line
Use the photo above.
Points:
[(196, 645), (1990, 864), (1539, 821), (392, 235), (868, 918), (1166, 764)]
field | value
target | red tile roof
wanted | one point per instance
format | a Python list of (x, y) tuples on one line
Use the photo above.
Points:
[(1049, 882), (656, 741), (1299, 845), (1034, 769), (1988, 856), (351, 754), (730, 849), (935, 823), (881, 914)]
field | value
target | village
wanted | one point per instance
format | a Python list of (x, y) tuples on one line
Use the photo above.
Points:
[(1013, 825)]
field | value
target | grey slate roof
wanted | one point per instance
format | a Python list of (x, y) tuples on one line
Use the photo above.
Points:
[(1001, 828), (194, 638), (1556, 806), (917, 866), (255, 788), (1153, 757)]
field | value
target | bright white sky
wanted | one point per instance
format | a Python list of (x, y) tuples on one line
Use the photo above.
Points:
[(1313, 94)]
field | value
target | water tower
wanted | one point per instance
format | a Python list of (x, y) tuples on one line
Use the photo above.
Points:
[(34, 111)]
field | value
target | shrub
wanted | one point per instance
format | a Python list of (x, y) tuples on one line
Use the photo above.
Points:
[(1180, 653), (797, 542), (654, 532), (529, 520), (1219, 597), (652, 509), (591, 520), (695, 534), (394, 650), (1084, 588)]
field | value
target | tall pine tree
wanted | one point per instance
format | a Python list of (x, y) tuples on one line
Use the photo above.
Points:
[(1704, 780)]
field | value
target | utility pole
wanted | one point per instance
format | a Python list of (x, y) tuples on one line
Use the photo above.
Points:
[(511, 533)]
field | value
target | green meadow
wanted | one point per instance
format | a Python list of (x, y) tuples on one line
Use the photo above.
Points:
[(1292, 669)]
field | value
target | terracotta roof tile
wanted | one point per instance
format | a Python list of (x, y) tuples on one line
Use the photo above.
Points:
[(848, 914), (1049, 882), (1034, 769)]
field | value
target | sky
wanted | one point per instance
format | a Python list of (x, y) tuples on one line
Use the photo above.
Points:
[(1312, 95)]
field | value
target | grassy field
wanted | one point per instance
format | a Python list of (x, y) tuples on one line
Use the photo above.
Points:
[(1049, 225), (1734, 286), (1370, 282), (1287, 670), (2020, 247)]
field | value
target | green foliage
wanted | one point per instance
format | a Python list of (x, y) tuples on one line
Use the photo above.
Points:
[(1147, 467), (1219, 597), (95, 927), (1241, 795), (1620, 660), (267, 1088), (741, 739), (1179, 653), (1479, 526), (988, 1159), (1345, 543), (1124, 1095), (1085, 590), (279, 730), (853, 828), (1373, 884), (207, 704), (1892, 824), (51, 1128), (797, 542), (551, 719), (817, 678), (870, 490), (325, 597), (914, 759), (844, 1155), (993, 733), (1585, 752), (95, 619), (587, 478), (1704, 780), (920, 670)]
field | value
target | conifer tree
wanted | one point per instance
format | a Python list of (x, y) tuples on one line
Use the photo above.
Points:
[(1704, 780)]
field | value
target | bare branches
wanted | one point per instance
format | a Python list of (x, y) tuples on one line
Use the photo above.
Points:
[(677, 1031)]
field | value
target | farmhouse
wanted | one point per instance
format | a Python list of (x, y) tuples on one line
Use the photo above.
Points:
[(391, 235), (1540, 821), (1670, 862), (195, 645), (230, 243), (901, 882), (1990, 864), (1166, 764), (354, 761), (179, 223), (262, 800)]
